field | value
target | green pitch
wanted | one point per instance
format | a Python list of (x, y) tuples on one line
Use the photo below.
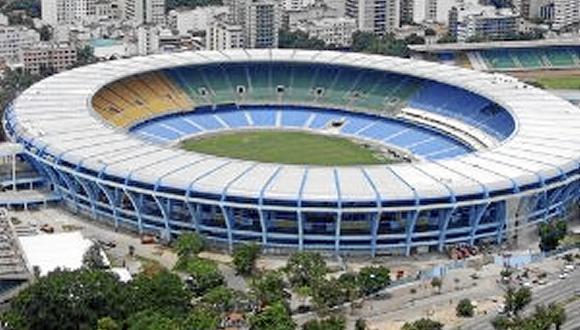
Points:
[(565, 82), (287, 147)]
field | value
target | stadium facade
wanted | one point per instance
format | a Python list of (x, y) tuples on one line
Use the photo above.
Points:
[(481, 154)]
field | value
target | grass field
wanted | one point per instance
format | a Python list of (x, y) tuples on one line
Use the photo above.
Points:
[(286, 147), (551, 79), (570, 82)]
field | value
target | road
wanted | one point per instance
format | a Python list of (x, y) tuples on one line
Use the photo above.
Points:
[(556, 291)]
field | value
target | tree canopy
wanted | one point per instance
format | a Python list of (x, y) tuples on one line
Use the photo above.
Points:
[(423, 324), (275, 317), (245, 256), (204, 275), (372, 279), (189, 244), (368, 42), (551, 234), (305, 269), (330, 323), (465, 308), (300, 39)]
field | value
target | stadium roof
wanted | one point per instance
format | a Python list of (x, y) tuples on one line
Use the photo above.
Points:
[(465, 46), (56, 114)]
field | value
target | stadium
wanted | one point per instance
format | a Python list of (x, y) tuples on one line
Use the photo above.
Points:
[(438, 155)]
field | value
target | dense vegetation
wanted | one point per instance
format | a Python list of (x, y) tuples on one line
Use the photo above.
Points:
[(551, 234), (192, 297)]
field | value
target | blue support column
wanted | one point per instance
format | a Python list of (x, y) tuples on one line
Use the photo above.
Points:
[(228, 220), (262, 219), (337, 231), (261, 212), (72, 191), (478, 215), (56, 186), (501, 217), (194, 214), (137, 209), (111, 203), (167, 231), (299, 213), (90, 195), (446, 217), (300, 217), (374, 218), (410, 228), (338, 214)]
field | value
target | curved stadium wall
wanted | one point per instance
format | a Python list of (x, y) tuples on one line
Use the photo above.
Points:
[(491, 154)]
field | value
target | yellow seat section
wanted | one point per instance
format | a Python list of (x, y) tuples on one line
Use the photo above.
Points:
[(130, 100), (165, 89), (133, 110), (154, 102)]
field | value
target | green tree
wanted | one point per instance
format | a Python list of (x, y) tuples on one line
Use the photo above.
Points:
[(85, 55), (204, 275), (465, 308), (221, 299), (45, 33), (517, 299), (557, 315), (349, 284), (437, 283), (305, 269), (189, 244), (162, 292), (299, 39), (68, 300), (151, 320), (372, 279), (330, 323), (328, 293), (423, 324), (269, 288), (93, 258), (245, 256), (201, 318), (414, 39), (551, 234), (501, 323), (107, 323), (447, 39), (275, 317), (360, 324), (368, 42)]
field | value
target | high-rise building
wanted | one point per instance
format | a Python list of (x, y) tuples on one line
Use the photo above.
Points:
[(453, 22), (48, 58), (147, 40), (332, 30), (144, 11), (566, 13), (13, 39), (378, 16), (406, 11), (222, 35), (487, 23), (263, 20), (237, 11), (55, 12)]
